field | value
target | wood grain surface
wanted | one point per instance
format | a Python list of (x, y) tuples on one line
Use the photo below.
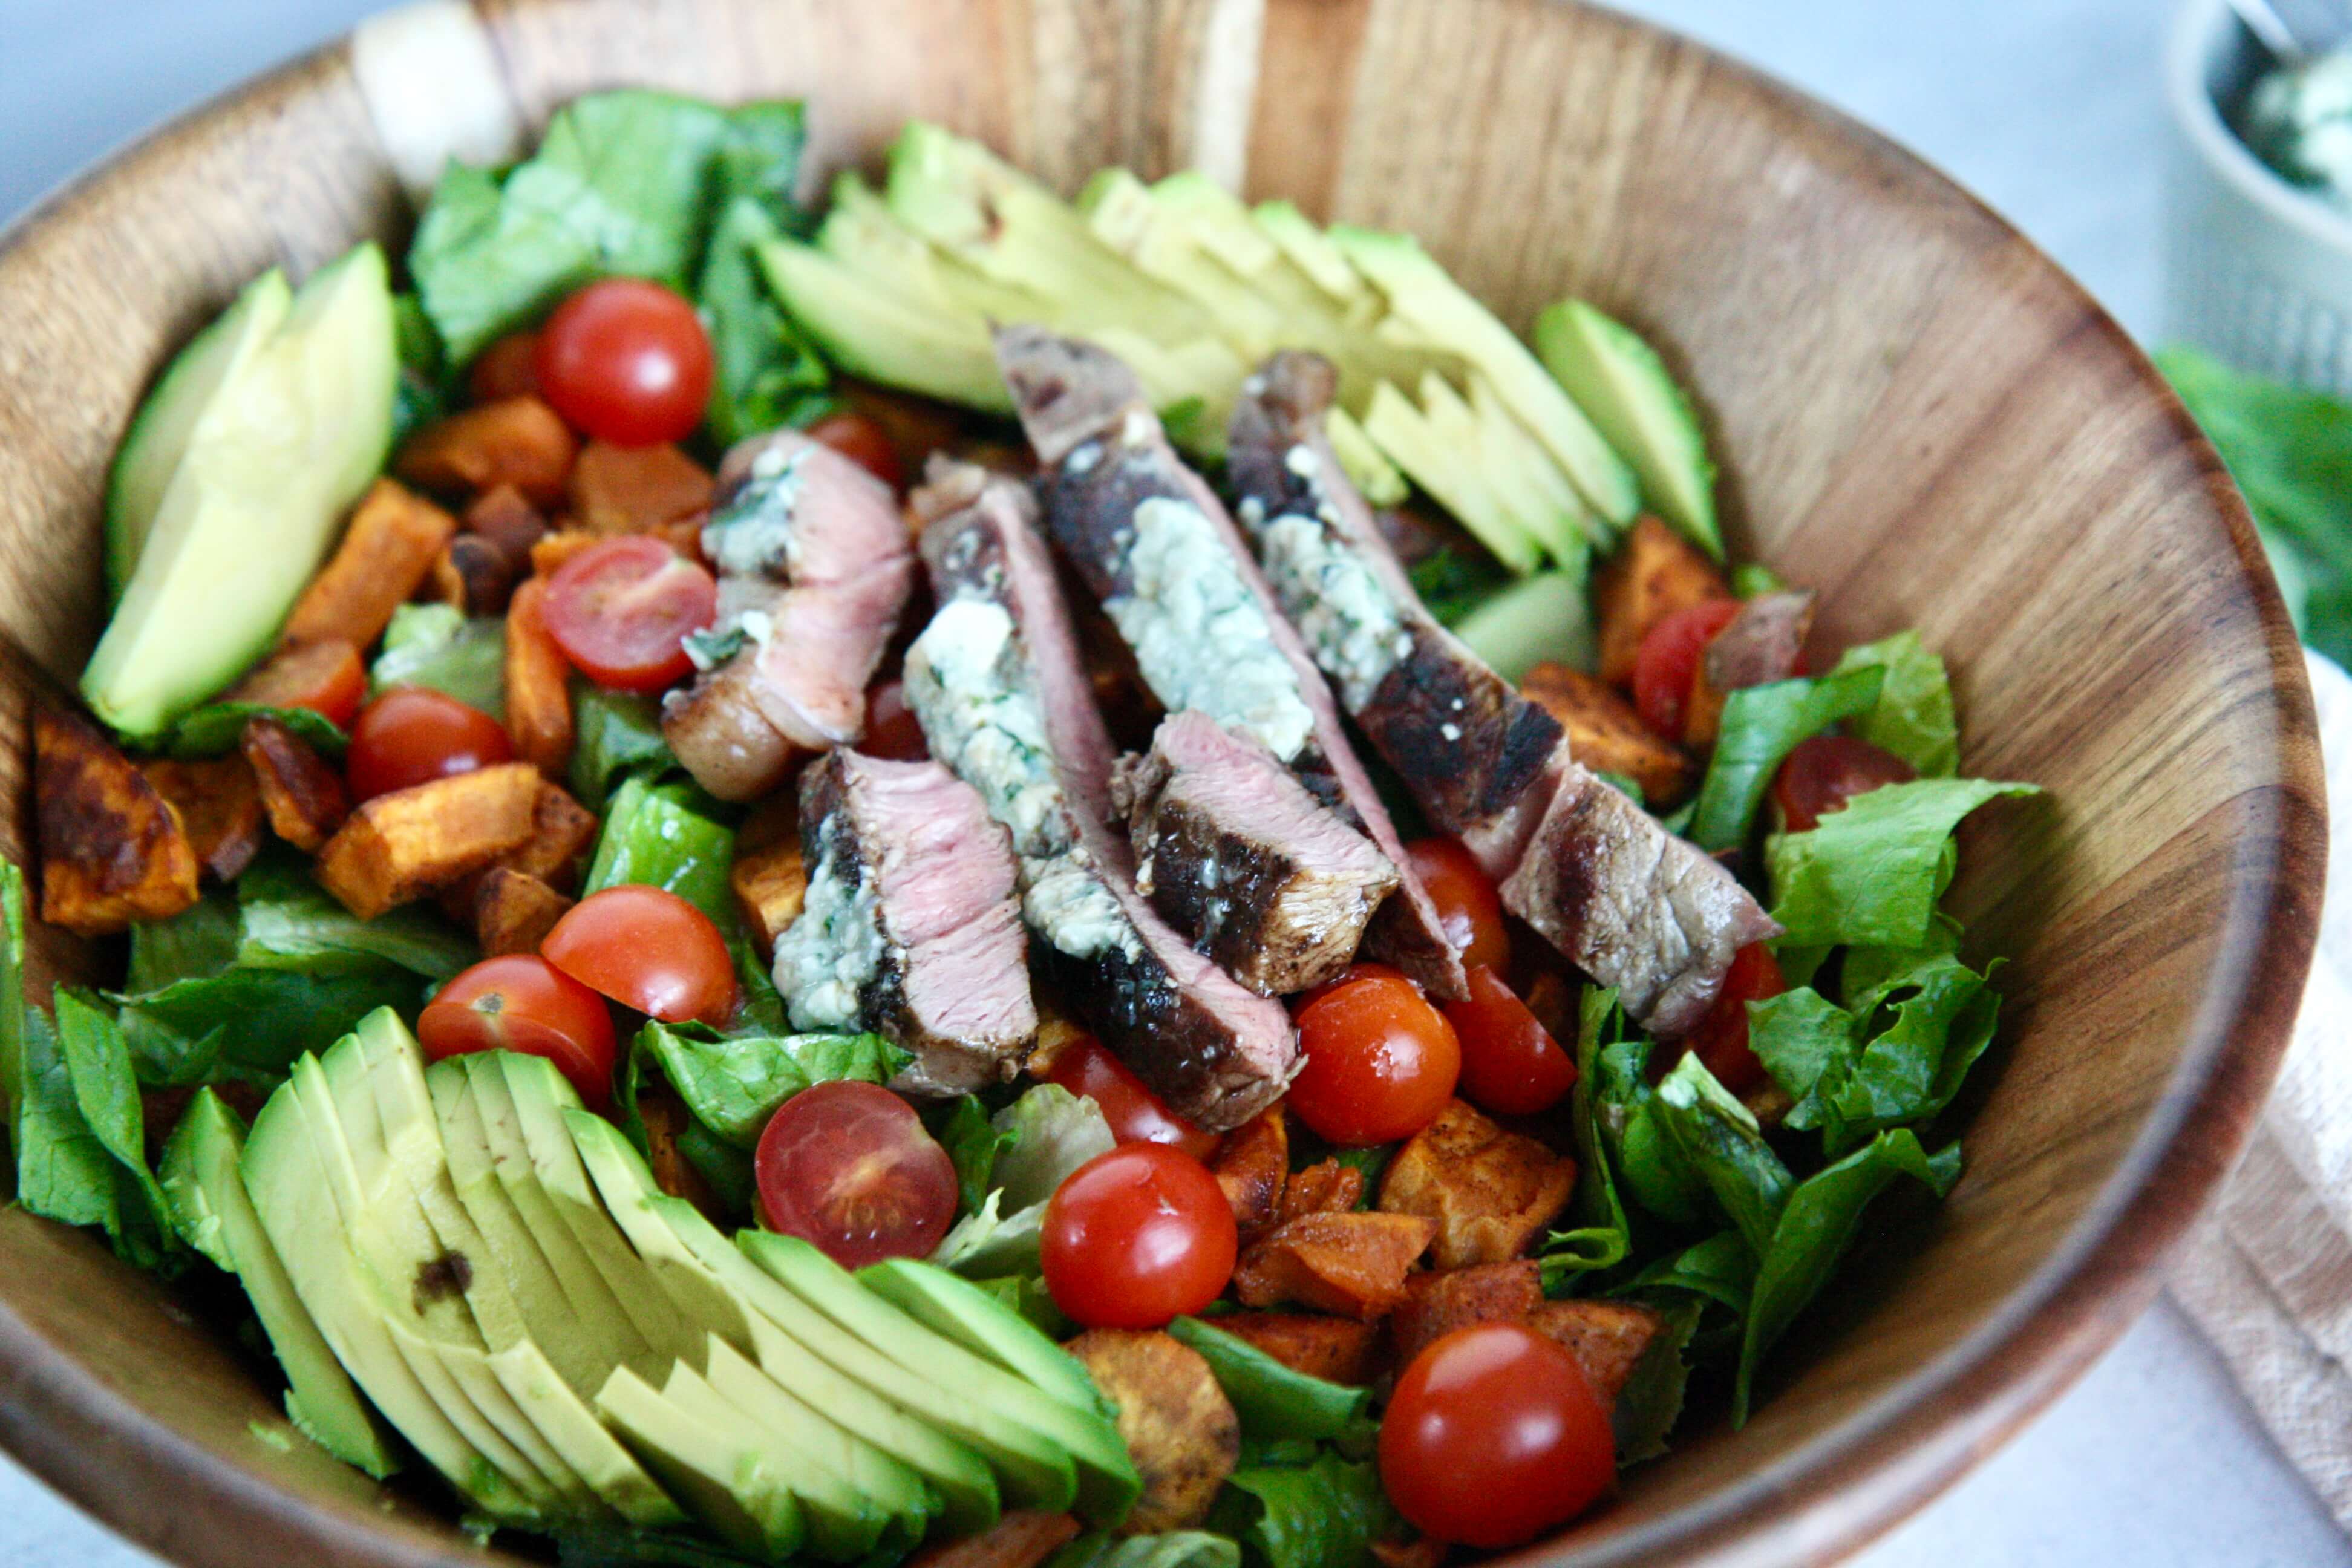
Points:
[(1915, 414)]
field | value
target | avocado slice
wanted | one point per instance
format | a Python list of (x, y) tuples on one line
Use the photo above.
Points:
[(1511, 463), (1450, 474), (865, 331), (1311, 251), (1542, 618), (626, 1187), (619, 1481), (948, 1304), (286, 442), (211, 1209), (721, 1470), (1639, 409), (844, 1522)]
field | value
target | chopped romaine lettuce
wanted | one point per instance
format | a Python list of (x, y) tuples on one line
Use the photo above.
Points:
[(973, 1140), (1273, 1400), (671, 835), (614, 732), (1322, 1514), (1913, 717), (1761, 725), (1652, 1400), (1873, 872), (434, 646), (1054, 1132), (106, 1092), (1172, 1549), (733, 1083), (214, 730), (1599, 1236), (767, 375), (1720, 1142)]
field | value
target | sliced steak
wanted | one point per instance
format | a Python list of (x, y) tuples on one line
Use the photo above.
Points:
[(911, 924), (1233, 852), (1155, 546), (996, 683), (1762, 643)]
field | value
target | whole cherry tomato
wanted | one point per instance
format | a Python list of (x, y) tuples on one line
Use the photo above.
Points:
[(326, 678), (521, 1003), (1136, 1114), (1721, 1037), (1468, 907), (413, 736), (1138, 1237), (890, 727), (648, 949), (626, 360), (1510, 1063), (1365, 970), (862, 441), (508, 368), (1666, 666), (1821, 775), (1380, 1062), (847, 1167), (620, 609), (1493, 1437)]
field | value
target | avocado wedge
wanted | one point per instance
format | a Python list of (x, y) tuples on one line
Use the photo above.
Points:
[(1637, 405)]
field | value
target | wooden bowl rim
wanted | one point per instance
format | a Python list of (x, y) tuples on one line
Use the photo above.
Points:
[(1832, 1493)]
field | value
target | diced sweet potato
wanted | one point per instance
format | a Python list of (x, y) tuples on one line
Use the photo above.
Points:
[(401, 846), (538, 684), (1487, 1191), (504, 515), (1419, 1551), (1608, 1338), (1435, 1304), (1023, 1538), (305, 797), (1325, 1188), (1337, 1350), (1350, 1264), (561, 833), (1654, 574), (666, 1120), (770, 880), (1552, 999), (220, 809), (553, 549), (386, 553), (473, 576), (514, 910), (517, 441), (1057, 1032), (1252, 1164), (635, 490), (1606, 735), (325, 675), (1179, 1427), (113, 848)]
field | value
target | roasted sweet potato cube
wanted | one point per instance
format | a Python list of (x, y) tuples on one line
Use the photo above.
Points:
[(514, 910), (538, 684), (1419, 1551), (1551, 997), (1350, 1264), (473, 576), (635, 490), (1253, 1164), (1179, 1427), (386, 553), (561, 833), (326, 676), (1435, 1304), (517, 441), (548, 556), (769, 878), (1606, 735), (504, 515), (401, 846), (1337, 1350), (304, 797), (113, 848), (1608, 1338), (1655, 573), (220, 809), (1025, 1537), (1325, 1188), (1487, 1190), (1057, 1032)]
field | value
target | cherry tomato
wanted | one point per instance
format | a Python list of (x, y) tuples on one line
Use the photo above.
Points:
[(522, 1003), (1510, 1063), (326, 678), (1721, 1037), (1364, 970), (1136, 1114), (1380, 1062), (648, 949), (626, 360), (862, 441), (847, 1167), (413, 736), (890, 727), (1137, 1236), (508, 368), (619, 608), (1467, 904), (1821, 775), (1493, 1437), (1666, 666)]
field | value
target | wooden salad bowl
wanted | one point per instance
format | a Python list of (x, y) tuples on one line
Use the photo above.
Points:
[(1916, 413)]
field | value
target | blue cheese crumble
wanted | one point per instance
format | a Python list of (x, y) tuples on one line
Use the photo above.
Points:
[(752, 535), (826, 958), (983, 720), (1346, 614)]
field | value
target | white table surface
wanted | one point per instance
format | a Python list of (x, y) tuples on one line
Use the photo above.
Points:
[(2049, 108)]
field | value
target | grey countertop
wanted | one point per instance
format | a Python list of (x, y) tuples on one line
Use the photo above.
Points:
[(2048, 109)]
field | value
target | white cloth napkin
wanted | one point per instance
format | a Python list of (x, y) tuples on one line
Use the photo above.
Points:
[(2267, 1272)]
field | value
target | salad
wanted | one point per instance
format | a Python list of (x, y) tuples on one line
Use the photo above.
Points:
[(968, 879)]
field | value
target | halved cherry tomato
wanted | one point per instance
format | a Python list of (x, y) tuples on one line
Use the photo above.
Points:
[(648, 949), (620, 609), (1821, 775), (326, 678), (1510, 1063), (413, 734), (862, 441), (522, 1003), (847, 1167), (508, 368), (626, 360), (1467, 905), (1380, 1062), (890, 727), (1138, 1237), (1666, 666), (1493, 1437), (1136, 1114), (1721, 1037)]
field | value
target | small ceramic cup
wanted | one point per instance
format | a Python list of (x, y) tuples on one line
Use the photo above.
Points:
[(2256, 271)]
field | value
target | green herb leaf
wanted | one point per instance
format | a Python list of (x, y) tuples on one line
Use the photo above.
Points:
[(1325, 1514), (1761, 725), (1873, 872), (733, 1084), (433, 646), (106, 1092), (614, 732), (216, 729), (1273, 1400), (1913, 716)]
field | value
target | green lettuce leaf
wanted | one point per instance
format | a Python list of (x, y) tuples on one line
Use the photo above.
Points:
[(733, 1083), (252, 1024), (433, 646), (1172, 1549), (1873, 872), (1761, 725), (1598, 1237), (216, 729), (767, 373), (1914, 717), (614, 732), (1026, 1294), (200, 940), (670, 835), (63, 1170), (1652, 1400), (1720, 1139), (972, 1141), (106, 1092), (420, 395), (1324, 1514), (286, 920), (1644, 1155), (1453, 581), (1054, 1132), (1721, 1270), (1275, 1401)]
